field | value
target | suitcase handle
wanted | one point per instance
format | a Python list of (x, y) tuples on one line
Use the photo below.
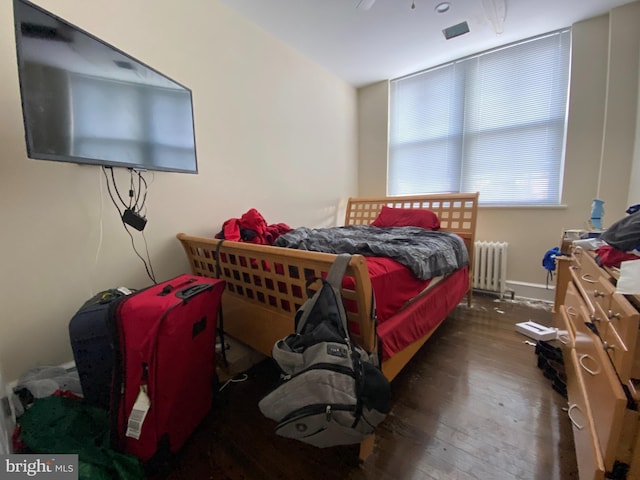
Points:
[(168, 288), (193, 290)]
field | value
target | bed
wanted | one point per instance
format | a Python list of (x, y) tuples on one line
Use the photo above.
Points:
[(267, 284)]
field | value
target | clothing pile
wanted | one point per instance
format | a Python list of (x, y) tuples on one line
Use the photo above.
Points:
[(251, 227), (622, 241), (63, 424)]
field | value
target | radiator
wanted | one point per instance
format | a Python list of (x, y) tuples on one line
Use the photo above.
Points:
[(490, 266)]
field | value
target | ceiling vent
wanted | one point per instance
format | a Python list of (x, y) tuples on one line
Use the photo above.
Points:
[(456, 30)]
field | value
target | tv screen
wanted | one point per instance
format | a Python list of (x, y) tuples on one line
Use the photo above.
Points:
[(85, 101)]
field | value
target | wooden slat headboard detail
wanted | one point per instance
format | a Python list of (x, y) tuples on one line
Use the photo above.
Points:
[(456, 211)]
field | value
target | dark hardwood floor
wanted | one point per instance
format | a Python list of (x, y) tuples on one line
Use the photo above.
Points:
[(472, 404)]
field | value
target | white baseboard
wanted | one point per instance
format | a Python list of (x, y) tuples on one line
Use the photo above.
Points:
[(534, 291), (524, 290)]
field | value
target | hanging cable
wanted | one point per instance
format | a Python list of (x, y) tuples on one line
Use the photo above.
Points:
[(106, 177), (115, 187), (147, 262), (141, 182), (147, 266), (152, 275), (132, 190)]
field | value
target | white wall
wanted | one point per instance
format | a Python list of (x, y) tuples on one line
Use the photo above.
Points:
[(273, 130), (373, 138), (634, 182), (621, 109)]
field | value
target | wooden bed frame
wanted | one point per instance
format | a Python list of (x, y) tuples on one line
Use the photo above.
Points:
[(266, 285)]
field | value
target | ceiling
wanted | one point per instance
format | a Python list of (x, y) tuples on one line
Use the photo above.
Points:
[(392, 39)]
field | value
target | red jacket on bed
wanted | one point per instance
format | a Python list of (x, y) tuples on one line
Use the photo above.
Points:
[(252, 228)]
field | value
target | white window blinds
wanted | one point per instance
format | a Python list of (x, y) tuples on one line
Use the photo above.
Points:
[(493, 123)]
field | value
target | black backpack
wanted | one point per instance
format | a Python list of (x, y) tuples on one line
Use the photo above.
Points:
[(332, 391)]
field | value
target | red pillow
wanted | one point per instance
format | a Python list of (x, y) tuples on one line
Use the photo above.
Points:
[(407, 217)]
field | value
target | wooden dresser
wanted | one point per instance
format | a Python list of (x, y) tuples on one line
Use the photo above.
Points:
[(601, 354)]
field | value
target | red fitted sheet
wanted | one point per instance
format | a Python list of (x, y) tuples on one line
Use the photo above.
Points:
[(424, 314), (393, 285), (406, 309)]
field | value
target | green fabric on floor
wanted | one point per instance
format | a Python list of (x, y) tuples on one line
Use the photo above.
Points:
[(66, 425)]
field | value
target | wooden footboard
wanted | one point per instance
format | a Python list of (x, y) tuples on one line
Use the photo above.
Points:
[(266, 285)]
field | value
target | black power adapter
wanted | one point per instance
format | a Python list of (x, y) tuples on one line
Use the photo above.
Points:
[(134, 219)]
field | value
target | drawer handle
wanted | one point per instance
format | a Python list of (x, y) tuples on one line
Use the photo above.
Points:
[(598, 293), (571, 311), (575, 424), (616, 315), (594, 319), (587, 278), (563, 338), (587, 369), (608, 346)]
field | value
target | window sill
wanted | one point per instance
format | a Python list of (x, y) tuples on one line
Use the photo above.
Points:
[(525, 207)]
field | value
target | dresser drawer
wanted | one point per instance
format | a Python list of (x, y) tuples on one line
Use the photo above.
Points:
[(617, 351), (578, 314), (624, 318), (575, 304), (596, 291), (566, 331), (586, 264), (588, 454), (605, 397)]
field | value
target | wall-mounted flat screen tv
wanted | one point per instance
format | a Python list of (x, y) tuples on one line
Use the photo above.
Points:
[(85, 101)]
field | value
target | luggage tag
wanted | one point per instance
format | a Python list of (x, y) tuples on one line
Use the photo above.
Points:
[(138, 414)]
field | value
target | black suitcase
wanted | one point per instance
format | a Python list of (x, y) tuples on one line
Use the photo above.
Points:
[(91, 334)]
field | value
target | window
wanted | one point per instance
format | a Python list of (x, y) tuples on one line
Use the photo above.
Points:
[(493, 123)]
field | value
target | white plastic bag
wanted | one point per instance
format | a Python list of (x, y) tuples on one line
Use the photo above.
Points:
[(7, 419)]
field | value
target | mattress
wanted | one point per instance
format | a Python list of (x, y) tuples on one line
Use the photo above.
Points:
[(393, 285), (407, 308), (423, 315)]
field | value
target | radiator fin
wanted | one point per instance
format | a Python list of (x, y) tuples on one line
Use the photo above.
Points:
[(490, 266)]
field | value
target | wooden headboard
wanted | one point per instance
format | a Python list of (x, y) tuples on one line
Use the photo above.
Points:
[(457, 212)]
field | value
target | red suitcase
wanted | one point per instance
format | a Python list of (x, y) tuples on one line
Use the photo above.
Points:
[(166, 353)]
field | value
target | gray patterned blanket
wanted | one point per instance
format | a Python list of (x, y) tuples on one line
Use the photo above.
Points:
[(426, 253)]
